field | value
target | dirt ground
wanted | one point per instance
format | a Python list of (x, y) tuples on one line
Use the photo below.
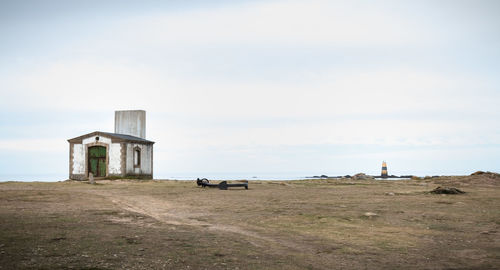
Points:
[(310, 224)]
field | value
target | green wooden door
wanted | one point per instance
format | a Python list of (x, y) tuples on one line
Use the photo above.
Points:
[(101, 166), (97, 161)]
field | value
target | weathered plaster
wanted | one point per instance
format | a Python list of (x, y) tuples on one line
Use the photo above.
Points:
[(123, 161), (92, 141), (114, 159), (78, 159), (146, 159), (104, 140), (119, 156), (70, 159), (131, 123)]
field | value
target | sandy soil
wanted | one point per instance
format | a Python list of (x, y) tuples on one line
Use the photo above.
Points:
[(311, 224)]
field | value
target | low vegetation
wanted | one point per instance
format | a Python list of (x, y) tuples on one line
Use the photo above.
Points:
[(309, 224)]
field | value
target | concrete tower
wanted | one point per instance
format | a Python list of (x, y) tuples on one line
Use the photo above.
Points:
[(131, 123), (384, 170)]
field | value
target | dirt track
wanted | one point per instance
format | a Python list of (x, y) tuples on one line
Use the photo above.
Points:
[(316, 224)]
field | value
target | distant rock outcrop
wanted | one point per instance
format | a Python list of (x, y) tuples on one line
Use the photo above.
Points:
[(362, 176)]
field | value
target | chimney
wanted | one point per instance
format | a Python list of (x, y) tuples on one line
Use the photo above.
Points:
[(131, 123)]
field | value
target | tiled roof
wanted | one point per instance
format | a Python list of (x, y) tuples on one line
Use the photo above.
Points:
[(123, 137)]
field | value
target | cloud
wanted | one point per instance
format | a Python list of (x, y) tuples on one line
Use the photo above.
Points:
[(260, 82), (88, 85), (289, 23), (34, 145)]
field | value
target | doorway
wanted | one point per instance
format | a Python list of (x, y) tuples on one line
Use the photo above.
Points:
[(97, 161)]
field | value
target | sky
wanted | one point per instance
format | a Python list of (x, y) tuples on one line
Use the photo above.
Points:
[(292, 88)]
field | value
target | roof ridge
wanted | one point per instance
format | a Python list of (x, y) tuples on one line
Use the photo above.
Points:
[(120, 136)]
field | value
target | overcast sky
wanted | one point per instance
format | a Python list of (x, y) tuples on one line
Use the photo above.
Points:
[(256, 87)]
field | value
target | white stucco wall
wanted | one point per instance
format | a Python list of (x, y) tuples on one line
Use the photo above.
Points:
[(114, 155), (146, 159), (115, 158), (130, 158), (102, 139), (78, 159)]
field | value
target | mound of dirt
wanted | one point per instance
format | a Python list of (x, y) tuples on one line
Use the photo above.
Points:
[(487, 174), (446, 190)]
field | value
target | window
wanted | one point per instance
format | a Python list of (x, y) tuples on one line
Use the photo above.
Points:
[(137, 157)]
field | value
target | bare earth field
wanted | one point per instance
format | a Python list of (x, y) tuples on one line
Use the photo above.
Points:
[(310, 224)]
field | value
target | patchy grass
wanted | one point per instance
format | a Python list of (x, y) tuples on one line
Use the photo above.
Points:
[(307, 224)]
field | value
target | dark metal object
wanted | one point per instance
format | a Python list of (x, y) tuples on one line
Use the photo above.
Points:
[(222, 185), (205, 183)]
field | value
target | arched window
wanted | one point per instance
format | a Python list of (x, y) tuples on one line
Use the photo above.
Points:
[(137, 157)]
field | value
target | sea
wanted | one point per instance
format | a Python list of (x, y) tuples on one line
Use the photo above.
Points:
[(55, 177)]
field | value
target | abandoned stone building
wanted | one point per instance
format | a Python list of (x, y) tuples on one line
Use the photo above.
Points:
[(124, 153)]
